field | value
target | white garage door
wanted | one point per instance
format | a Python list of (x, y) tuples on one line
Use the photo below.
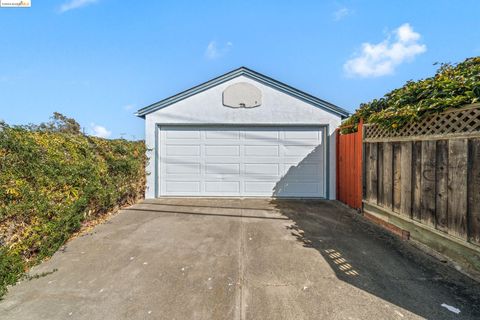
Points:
[(241, 161)]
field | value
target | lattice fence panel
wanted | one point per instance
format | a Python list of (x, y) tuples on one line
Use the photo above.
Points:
[(453, 122)]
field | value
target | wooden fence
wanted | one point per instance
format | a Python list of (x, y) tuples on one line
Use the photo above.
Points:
[(428, 173), (349, 168)]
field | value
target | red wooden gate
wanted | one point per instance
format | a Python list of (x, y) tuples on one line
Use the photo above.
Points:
[(349, 168)]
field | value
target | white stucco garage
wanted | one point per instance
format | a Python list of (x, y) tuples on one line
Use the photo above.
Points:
[(241, 134)]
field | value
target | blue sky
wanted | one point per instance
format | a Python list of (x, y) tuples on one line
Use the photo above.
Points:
[(100, 60)]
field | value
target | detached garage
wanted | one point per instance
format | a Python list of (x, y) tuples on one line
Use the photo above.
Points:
[(242, 134)]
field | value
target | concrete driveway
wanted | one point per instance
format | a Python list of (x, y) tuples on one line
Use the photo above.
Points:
[(241, 259)]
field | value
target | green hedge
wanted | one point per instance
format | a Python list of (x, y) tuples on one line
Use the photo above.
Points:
[(53, 179), (453, 86)]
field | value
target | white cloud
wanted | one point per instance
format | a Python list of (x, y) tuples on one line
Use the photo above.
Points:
[(75, 4), (341, 13), (100, 131), (381, 59), (213, 51), (129, 107)]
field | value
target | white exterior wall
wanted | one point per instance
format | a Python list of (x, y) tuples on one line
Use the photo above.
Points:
[(206, 107)]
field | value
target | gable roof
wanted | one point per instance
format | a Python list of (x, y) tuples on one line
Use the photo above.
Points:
[(243, 71)]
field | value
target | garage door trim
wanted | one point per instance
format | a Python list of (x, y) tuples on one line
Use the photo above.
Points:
[(324, 127)]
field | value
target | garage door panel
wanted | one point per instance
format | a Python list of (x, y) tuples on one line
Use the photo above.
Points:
[(182, 150), (313, 157), (260, 169), (183, 187), (221, 159), (182, 159), (183, 168), (262, 150), (181, 133), (222, 168), (259, 187), (241, 161), (222, 134), (303, 170), (300, 179), (264, 135), (299, 150), (299, 188), (222, 150), (222, 186), (262, 160)]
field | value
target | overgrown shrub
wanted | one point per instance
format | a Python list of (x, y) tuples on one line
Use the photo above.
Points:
[(53, 179), (453, 86)]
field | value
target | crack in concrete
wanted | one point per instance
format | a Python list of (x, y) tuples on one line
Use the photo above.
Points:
[(241, 269), (244, 254)]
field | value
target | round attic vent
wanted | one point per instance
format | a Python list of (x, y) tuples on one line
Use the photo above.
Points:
[(242, 95)]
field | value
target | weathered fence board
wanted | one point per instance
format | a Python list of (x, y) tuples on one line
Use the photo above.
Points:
[(417, 180), (406, 179), (372, 183), (427, 184), (474, 191), (380, 162), (366, 172), (387, 175), (441, 185), (397, 178), (457, 187)]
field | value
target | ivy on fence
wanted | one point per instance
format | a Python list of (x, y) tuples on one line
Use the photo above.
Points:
[(453, 86)]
